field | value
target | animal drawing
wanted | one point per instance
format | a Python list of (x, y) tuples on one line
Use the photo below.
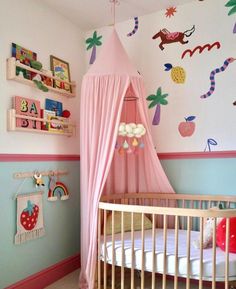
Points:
[(170, 37), (212, 76)]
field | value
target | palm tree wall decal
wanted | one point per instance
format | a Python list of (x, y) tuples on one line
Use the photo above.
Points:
[(232, 5), (93, 42), (157, 100)]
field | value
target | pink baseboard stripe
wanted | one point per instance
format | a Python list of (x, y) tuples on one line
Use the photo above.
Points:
[(197, 155), (49, 275), (162, 156), (37, 158)]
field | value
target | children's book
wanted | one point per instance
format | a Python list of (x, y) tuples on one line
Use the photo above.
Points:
[(54, 105), (45, 114), (58, 127), (29, 107)]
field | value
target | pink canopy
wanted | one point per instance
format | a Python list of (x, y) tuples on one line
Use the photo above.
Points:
[(109, 82)]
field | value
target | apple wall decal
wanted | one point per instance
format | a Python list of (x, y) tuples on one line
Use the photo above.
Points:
[(187, 127)]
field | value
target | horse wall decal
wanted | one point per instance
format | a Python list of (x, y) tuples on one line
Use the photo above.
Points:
[(170, 37)]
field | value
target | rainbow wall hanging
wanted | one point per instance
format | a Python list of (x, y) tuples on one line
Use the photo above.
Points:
[(59, 190)]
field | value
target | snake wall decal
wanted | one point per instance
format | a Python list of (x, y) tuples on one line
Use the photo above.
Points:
[(212, 76), (135, 27)]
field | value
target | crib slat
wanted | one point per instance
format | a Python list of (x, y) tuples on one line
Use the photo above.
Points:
[(113, 250), (201, 253), (122, 251), (105, 251), (164, 252), (182, 221), (188, 251), (132, 248), (99, 248), (176, 252), (227, 254), (153, 251), (143, 259), (214, 255)]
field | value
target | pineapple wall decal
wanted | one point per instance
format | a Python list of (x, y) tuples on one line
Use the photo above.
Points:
[(157, 100), (178, 74)]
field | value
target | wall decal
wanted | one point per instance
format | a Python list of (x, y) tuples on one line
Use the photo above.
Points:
[(201, 48), (93, 42), (187, 127), (178, 74), (135, 27), (212, 76), (210, 142), (232, 5), (171, 37), (156, 100), (170, 11)]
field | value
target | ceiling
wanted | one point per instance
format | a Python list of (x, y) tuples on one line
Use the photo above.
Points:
[(91, 14)]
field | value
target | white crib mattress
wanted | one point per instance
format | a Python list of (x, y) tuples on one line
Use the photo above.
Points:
[(170, 259)]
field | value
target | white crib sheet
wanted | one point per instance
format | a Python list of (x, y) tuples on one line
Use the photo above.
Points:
[(170, 260)]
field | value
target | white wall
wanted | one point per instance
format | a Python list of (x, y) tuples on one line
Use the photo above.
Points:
[(215, 116), (40, 29)]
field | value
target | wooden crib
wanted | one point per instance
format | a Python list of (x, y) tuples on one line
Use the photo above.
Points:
[(163, 256)]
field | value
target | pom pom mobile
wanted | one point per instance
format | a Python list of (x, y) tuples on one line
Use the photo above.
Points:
[(131, 131)]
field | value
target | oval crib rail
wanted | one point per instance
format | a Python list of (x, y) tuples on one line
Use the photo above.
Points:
[(188, 213)]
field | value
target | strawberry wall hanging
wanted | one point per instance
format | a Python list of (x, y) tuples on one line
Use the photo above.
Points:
[(30, 223)]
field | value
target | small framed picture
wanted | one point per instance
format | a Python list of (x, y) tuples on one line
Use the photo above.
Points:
[(61, 70)]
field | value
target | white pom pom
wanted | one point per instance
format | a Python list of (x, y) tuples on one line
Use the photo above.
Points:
[(144, 131), (121, 127), (137, 130), (140, 125), (133, 125), (128, 128)]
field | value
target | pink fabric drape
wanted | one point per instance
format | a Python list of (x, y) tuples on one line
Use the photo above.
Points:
[(102, 97), (141, 172)]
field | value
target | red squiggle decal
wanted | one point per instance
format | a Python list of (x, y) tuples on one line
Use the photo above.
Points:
[(201, 48)]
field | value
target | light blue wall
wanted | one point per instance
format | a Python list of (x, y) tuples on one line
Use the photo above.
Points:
[(192, 176), (61, 222), (202, 176)]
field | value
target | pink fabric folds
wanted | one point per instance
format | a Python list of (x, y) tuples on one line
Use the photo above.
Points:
[(102, 98)]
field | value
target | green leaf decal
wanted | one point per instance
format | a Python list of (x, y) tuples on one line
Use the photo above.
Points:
[(151, 97), (232, 11), (163, 101), (230, 3)]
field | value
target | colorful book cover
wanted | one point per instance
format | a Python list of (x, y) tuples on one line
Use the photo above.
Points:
[(24, 56), (58, 127), (45, 114), (54, 105), (29, 107)]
